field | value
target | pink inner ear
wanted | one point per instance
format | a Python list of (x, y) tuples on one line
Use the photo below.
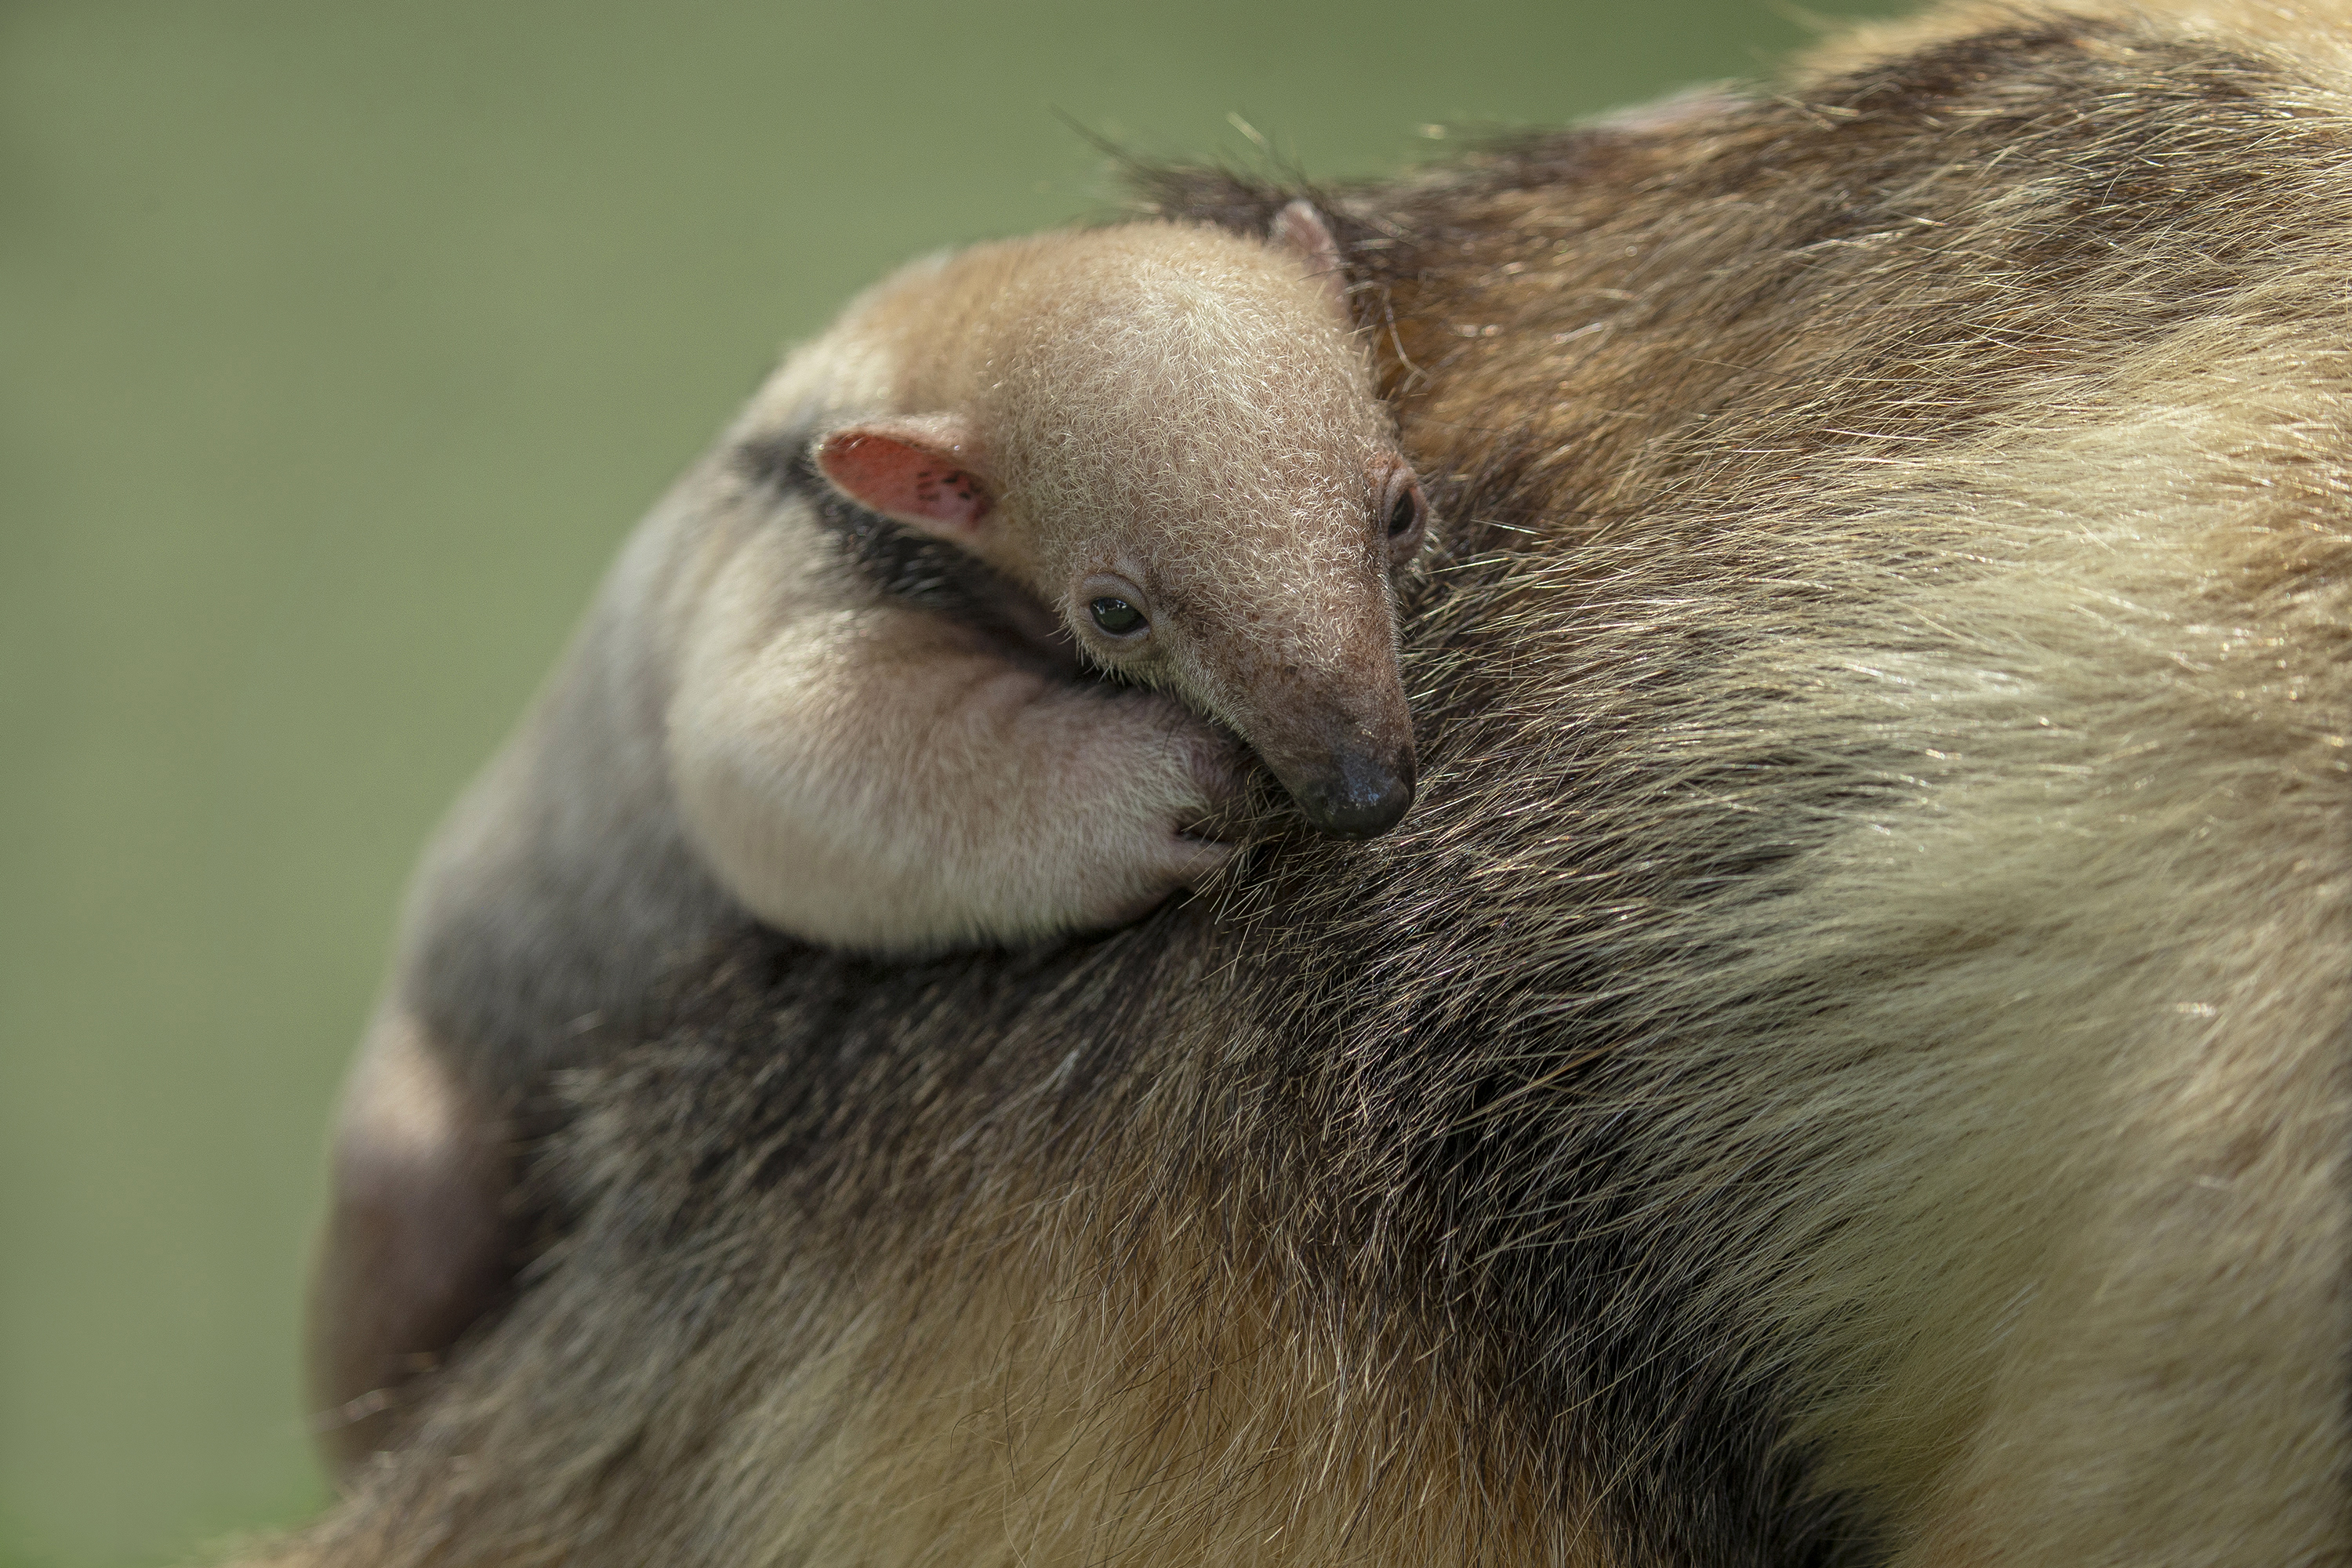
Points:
[(910, 480)]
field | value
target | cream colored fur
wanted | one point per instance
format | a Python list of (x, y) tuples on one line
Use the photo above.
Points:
[(882, 778), (2092, 1309)]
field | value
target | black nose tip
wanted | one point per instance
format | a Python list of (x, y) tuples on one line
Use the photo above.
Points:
[(1359, 797)]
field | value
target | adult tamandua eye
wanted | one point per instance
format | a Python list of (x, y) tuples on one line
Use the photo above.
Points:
[(1116, 615)]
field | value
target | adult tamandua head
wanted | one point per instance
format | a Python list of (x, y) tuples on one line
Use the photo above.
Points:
[(831, 686)]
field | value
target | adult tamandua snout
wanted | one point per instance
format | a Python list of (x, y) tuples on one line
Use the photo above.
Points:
[(831, 686)]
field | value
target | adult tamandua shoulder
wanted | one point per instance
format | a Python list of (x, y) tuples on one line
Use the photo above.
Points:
[(833, 685)]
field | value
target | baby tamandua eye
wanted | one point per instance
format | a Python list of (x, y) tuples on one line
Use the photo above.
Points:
[(1116, 615)]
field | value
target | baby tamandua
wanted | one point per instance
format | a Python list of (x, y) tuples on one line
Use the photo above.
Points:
[(830, 686)]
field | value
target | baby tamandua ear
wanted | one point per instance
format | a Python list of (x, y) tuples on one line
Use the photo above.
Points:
[(1301, 230), (927, 472)]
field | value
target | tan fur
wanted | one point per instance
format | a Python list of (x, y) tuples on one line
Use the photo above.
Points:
[(1076, 1376), (2131, 1351), (1071, 1397), (1847, 1062)]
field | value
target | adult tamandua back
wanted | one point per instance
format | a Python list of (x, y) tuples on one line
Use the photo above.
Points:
[(1849, 1062), (835, 685)]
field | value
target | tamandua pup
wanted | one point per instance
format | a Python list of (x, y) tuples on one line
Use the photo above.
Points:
[(833, 684)]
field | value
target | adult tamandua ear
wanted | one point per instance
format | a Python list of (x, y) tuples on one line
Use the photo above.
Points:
[(929, 473), (1301, 230)]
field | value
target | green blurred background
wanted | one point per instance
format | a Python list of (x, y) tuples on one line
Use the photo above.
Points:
[(339, 346)]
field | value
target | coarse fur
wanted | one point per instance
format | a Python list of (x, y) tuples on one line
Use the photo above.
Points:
[(1845, 1064), (831, 685)]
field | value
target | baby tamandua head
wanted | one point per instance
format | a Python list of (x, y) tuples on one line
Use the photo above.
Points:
[(1169, 435)]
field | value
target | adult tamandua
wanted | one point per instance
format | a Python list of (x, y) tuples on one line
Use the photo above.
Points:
[(1848, 1063), (834, 684)]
